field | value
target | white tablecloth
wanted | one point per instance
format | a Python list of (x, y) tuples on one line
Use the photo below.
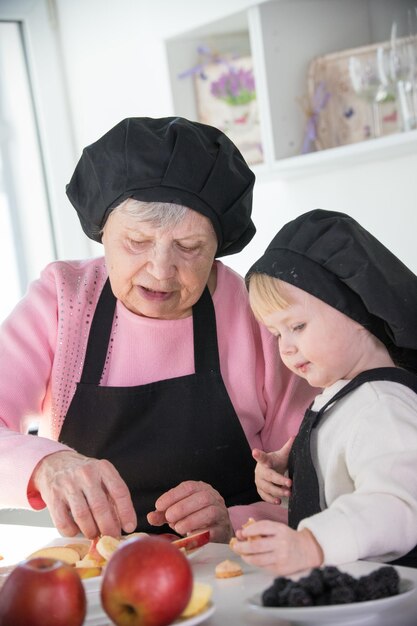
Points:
[(230, 596)]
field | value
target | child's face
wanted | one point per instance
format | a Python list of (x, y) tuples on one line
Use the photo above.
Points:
[(316, 341)]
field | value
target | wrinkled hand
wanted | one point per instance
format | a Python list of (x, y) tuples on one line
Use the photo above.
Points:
[(191, 507), (270, 481), (278, 548), (84, 494)]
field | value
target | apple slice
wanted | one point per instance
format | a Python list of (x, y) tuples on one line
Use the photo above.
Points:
[(84, 571), (106, 546), (138, 535), (81, 548), (200, 597), (60, 553), (93, 555), (191, 542)]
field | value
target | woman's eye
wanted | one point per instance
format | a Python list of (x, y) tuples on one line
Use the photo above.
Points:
[(187, 248), (134, 245)]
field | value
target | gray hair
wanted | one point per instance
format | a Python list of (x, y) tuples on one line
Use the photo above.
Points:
[(162, 214)]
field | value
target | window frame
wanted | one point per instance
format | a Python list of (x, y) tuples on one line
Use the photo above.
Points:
[(39, 27)]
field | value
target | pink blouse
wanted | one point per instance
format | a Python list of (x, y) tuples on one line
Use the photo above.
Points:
[(42, 347)]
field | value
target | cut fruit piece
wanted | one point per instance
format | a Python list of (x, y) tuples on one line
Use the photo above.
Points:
[(200, 597), (106, 546), (93, 554), (82, 548), (88, 563), (137, 535), (61, 553), (191, 542), (228, 569), (249, 523), (88, 572)]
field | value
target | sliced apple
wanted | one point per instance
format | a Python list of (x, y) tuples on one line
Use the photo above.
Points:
[(200, 597), (87, 571), (61, 553), (138, 535), (93, 555), (106, 546), (191, 542), (82, 548)]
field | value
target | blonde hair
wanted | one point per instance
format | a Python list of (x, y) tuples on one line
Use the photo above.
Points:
[(266, 294)]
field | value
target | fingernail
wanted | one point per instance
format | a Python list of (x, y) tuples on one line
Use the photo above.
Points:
[(129, 528)]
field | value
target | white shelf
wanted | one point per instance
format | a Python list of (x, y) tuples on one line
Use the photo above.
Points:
[(391, 146), (283, 36)]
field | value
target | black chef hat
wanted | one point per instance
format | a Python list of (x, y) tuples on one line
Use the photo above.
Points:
[(166, 160), (331, 256)]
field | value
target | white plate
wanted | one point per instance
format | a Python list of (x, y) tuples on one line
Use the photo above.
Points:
[(356, 612), (101, 619)]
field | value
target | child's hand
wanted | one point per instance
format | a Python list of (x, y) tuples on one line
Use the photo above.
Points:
[(270, 481), (279, 549)]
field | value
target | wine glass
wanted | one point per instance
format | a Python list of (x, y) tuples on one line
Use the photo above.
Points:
[(401, 69), (412, 30), (366, 82)]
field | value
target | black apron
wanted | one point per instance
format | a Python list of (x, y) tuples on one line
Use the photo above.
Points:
[(162, 433), (305, 496)]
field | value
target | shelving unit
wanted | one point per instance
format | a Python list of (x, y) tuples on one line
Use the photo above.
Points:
[(283, 37)]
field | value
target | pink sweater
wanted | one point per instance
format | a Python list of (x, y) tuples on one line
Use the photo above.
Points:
[(42, 346)]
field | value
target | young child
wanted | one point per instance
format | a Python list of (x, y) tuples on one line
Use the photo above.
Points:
[(344, 310)]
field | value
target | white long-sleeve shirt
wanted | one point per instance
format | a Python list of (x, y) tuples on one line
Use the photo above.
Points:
[(365, 454)]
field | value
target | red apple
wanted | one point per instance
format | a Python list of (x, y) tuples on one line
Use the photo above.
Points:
[(42, 592), (191, 542), (169, 536), (147, 582)]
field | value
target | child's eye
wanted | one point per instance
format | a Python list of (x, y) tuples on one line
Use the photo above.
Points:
[(298, 327)]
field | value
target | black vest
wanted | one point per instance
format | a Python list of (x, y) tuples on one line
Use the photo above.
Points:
[(305, 496), (160, 434)]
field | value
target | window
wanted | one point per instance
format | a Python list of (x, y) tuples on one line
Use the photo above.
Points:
[(37, 154), (25, 227)]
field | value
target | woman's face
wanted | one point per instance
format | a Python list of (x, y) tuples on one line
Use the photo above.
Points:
[(156, 271)]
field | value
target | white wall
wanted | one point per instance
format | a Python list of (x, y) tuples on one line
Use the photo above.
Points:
[(382, 196), (116, 67)]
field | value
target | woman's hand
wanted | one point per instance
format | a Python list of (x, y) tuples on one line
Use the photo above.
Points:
[(270, 481), (84, 494), (191, 507), (277, 547)]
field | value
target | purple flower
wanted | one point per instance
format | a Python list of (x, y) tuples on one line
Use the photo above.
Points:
[(237, 86)]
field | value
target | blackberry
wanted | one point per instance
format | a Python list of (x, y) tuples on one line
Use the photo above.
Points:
[(333, 577), (381, 583), (313, 583), (323, 599), (342, 595), (280, 583), (297, 596), (285, 592), (275, 595), (269, 597)]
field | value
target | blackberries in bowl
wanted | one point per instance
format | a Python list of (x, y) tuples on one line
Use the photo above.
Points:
[(329, 586)]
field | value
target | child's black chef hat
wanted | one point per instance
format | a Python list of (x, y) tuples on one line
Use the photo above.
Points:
[(166, 160), (331, 256)]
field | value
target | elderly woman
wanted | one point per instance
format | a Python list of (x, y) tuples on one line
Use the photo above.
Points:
[(146, 371)]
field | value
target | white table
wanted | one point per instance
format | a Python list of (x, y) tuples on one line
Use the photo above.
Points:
[(229, 595)]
